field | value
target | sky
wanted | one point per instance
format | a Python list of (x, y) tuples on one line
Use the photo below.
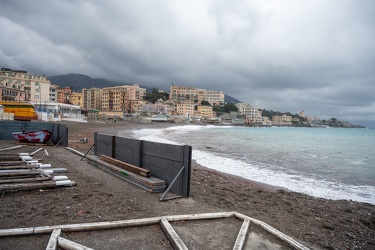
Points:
[(315, 55)]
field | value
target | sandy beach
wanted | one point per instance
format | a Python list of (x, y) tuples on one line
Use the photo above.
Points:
[(315, 222)]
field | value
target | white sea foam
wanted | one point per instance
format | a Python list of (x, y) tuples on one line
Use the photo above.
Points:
[(291, 181), (273, 175)]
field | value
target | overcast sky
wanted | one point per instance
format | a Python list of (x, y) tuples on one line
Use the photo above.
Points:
[(316, 55)]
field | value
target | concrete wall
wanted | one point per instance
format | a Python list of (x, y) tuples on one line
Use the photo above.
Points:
[(58, 130), (163, 160)]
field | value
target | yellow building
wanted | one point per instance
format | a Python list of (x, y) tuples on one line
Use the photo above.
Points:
[(185, 109), (205, 111), (121, 98), (191, 95), (281, 120), (76, 99)]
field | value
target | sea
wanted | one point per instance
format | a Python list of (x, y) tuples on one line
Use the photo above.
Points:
[(331, 163)]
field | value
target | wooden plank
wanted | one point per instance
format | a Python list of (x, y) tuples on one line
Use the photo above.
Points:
[(12, 163), (10, 148), (199, 216), (75, 151), (19, 167), (9, 158), (241, 237), (17, 231), (52, 243), (71, 245), (147, 180), (7, 174), (27, 186), (171, 234), (288, 240), (126, 166), (36, 179), (152, 189)]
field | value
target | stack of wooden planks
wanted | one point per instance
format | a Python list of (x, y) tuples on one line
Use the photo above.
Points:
[(22, 172), (138, 176)]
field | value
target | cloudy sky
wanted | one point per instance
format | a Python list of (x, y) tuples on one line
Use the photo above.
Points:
[(316, 55)]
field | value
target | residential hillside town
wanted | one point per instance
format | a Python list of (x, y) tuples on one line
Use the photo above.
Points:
[(25, 96)]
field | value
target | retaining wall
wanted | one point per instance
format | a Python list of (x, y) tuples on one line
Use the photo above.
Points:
[(163, 160)]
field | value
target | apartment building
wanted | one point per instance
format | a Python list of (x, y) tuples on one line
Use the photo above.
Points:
[(191, 95), (185, 109), (120, 98), (215, 97), (92, 98), (63, 94), (281, 120), (252, 114), (19, 85), (53, 93), (76, 99), (205, 111)]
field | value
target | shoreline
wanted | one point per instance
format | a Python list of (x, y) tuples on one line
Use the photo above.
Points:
[(238, 178), (315, 222)]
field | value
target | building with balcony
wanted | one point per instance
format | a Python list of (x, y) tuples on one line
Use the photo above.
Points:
[(19, 85), (191, 95), (92, 99), (120, 98), (281, 120), (76, 99), (205, 112), (185, 109), (252, 114)]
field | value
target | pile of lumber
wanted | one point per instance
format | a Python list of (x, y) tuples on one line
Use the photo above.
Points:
[(19, 171), (138, 176)]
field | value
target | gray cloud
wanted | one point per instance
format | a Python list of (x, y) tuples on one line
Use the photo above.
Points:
[(287, 56)]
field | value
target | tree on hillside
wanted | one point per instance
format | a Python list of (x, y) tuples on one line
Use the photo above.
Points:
[(155, 96), (205, 103), (226, 108)]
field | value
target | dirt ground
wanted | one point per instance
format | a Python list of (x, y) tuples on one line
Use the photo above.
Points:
[(98, 196)]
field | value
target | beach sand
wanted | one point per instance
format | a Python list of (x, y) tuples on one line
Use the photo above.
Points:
[(315, 222)]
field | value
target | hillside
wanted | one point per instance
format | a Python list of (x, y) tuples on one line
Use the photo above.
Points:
[(79, 82)]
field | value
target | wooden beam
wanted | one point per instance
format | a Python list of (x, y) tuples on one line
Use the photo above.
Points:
[(75, 151), (71, 245), (12, 163), (171, 234), (9, 157), (36, 179), (199, 216), (147, 180), (242, 235), (19, 167), (52, 243), (30, 186), (126, 166), (31, 172), (15, 147)]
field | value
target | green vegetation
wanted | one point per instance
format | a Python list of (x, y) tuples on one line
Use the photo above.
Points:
[(226, 108), (155, 96)]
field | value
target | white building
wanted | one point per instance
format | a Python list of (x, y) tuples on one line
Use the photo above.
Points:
[(251, 113)]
